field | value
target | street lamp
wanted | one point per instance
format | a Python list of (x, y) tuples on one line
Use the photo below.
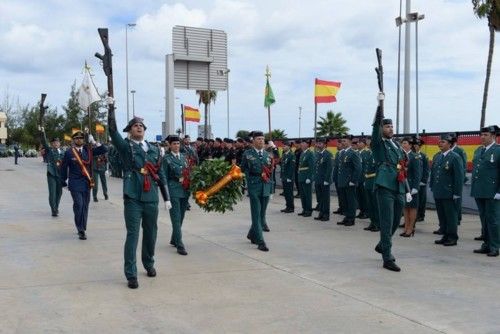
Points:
[(133, 102), (226, 73), (126, 62), (415, 17), (399, 22)]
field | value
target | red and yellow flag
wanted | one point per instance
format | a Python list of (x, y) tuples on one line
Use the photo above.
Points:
[(325, 91), (191, 114), (74, 130), (67, 137)]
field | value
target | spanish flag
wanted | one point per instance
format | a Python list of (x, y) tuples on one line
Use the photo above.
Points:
[(325, 91), (191, 114), (99, 128)]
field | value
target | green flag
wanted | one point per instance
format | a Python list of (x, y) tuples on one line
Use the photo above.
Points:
[(268, 95)]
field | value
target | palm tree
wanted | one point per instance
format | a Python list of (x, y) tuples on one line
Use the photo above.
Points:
[(332, 125), (206, 97), (489, 9), (276, 134)]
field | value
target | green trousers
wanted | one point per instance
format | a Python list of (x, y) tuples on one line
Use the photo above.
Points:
[(100, 175), (348, 195), (390, 207), (55, 192), (258, 206), (177, 213), (458, 205), (305, 191), (422, 201), (137, 212), (360, 197), (489, 213), (372, 208), (288, 192), (448, 218), (324, 200)]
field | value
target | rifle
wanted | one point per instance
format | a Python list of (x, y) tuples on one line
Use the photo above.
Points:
[(42, 110), (107, 65)]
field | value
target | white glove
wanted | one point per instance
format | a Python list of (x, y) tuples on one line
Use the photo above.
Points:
[(456, 197), (41, 128), (271, 197), (408, 197), (91, 139), (168, 205), (351, 184), (325, 183), (414, 191), (380, 96), (308, 181), (422, 184), (497, 196), (109, 100), (288, 180)]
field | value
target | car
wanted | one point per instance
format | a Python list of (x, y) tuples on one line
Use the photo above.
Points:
[(3, 151)]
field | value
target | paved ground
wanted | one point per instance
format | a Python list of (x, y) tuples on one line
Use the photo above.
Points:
[(317, 278)]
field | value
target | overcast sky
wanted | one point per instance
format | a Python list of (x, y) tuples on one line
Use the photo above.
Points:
[(44, 45)]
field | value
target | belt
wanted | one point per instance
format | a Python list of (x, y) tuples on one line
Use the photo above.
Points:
[(303, 168), (369, 176)]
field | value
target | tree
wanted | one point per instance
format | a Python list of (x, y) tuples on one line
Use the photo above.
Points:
[(74, 115), (332, 125), (276, 134), (206, 97), (489, 9), (242, 134)]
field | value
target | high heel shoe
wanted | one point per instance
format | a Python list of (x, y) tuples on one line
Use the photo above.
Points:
[(404, 235)]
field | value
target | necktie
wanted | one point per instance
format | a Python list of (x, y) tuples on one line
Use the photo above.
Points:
[(260, 154), (483, 150)]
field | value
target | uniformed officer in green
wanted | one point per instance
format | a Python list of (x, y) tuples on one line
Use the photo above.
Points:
[(256, 164), (389, 191), (349, 174), (100, 166), (54, 155), (141, 165), (413, 176), (370, 170), (306, 177), (422, 189), (335, 177), (323, 178), (485, 188), (463, 156), (361, 191), (288, 176), (175, 167), (446, 183)]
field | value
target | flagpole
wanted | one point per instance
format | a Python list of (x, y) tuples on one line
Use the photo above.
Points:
[(183, 119), (268, 74), (315, 118), (269, 120)]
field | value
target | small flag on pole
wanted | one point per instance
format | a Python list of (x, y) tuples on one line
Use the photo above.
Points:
[(87, 93), (191, 114), (325, 91), (67, 138), (268, 95), (74, 130)]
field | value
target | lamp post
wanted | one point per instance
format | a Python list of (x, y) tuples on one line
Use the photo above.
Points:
[(415, 17), (399, 22), (226, 72), (133, 102), (126, 62)]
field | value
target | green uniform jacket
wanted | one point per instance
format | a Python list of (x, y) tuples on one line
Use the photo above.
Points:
[(414, 170), (252, 165), (288, 166), (425, 167), (365, 155), (370, 169), (306, 166), (486, 172), (54, 158), (446, 175), (387, 155), (349, 168), (324, 167), (335, 176), (172, 169), (463, 156), (100, 163), (133, 159)]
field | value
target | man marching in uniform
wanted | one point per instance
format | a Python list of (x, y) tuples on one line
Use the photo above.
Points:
[(288, 176), (485, 188), (76, 166), (142, 167), (306, 176), (256, 164), (447, 176), (54, 155), (323, 179), (176, 170), (100, 166)]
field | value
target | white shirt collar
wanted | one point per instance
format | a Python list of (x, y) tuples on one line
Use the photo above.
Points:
[(489, 146), (445, 153)]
